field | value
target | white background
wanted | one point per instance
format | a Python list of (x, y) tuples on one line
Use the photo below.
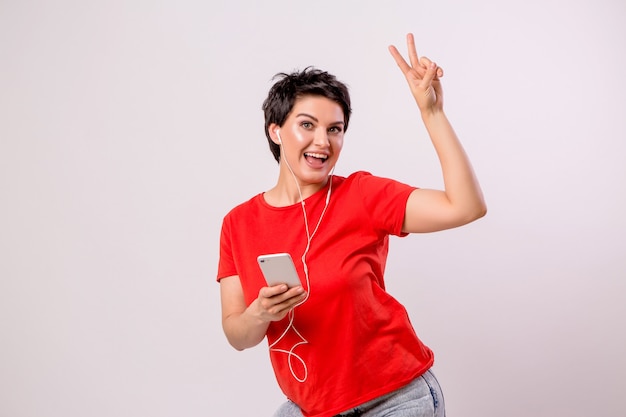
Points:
[(129, 128)]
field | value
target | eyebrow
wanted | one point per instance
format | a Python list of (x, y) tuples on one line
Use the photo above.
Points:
[(341, 122)]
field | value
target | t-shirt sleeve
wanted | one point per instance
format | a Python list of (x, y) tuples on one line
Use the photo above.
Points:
[(385, 201), (226, 265)]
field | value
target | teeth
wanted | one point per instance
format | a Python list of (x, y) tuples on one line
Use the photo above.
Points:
[(316, 155)]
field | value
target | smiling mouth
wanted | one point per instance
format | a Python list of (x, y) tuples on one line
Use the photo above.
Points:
[(315, 160), (317, 156)]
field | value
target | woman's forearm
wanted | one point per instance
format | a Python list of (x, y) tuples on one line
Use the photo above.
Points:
[(461, 186), (244, 330)]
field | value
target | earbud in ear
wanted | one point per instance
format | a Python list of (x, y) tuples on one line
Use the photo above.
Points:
[(278, 135)]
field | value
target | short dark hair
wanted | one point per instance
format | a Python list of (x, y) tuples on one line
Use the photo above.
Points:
[(290, 87)]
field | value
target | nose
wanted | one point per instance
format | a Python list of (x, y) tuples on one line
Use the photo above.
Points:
[(321, 138)]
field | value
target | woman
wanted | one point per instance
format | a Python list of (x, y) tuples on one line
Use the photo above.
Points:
[(339, 343)]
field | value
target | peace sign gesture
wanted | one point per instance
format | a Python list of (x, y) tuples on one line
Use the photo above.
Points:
[(423, 77)]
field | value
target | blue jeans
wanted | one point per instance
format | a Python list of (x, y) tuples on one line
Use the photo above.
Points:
[(420, 398)]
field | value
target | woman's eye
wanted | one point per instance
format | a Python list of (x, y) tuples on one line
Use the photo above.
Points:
[(335, 129), (307, 125)]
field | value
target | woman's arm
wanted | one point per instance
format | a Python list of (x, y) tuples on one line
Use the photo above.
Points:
[(245, 326), (461, 201)]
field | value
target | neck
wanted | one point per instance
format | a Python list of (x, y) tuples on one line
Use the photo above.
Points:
[(285, 192)]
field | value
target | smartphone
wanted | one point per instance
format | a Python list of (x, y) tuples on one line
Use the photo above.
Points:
[(278, 268)]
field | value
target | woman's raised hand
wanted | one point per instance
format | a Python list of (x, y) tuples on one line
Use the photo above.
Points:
[(423, 75)]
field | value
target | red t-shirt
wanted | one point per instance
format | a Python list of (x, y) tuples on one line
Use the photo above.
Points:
[(360, 341)]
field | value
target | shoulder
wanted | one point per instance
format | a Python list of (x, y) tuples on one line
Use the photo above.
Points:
[(355, 176), (365, 180), (244, 208), (351, 179), (371, 189), (379, 201)]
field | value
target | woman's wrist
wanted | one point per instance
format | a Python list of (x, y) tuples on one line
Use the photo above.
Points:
[(434, 116)]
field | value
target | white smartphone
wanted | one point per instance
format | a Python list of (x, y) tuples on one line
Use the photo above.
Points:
[(278, 268)]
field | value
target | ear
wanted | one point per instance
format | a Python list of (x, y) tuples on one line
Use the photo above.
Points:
[(271, 129)]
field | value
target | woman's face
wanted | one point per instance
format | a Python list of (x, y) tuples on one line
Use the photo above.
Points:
[(312, 138)]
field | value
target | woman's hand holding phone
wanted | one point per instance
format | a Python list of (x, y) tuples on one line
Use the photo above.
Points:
[(275, 302)]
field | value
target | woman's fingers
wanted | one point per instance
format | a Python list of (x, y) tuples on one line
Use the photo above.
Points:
[(425, 63), (422, 75), (419, 65), (404, 67), (429, 76), (410, 43), (279, 299)]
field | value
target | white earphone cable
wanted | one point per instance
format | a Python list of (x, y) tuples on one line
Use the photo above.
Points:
[(290, 353)]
